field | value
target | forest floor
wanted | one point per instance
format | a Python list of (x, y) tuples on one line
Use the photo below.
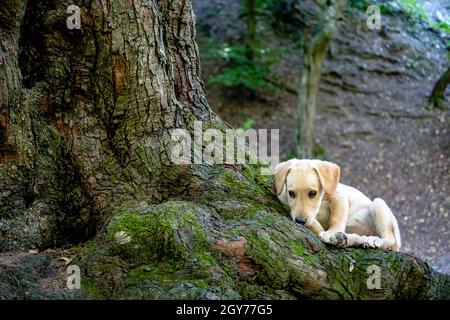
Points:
[(372, 118)]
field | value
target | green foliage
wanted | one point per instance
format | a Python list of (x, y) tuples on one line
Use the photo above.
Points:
[(258, 7), (416, 10), (319, 152), (246, 64), (359, 4), (384, 9), (248, 124), (291, 154), (364, 4), (441, 26), (285, 17), (239, 70)]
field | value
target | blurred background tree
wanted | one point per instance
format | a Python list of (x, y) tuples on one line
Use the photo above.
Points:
[(437, 98), (316, 42)]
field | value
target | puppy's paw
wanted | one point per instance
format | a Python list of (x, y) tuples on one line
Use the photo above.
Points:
[(339, 239), (372, 242), (325, 236)]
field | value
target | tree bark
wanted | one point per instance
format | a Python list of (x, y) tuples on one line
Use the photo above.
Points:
[(314, 50), (437, 98), (85, 139), (88, 126)]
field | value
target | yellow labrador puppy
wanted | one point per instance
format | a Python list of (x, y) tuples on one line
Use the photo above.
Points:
[(339, 214)]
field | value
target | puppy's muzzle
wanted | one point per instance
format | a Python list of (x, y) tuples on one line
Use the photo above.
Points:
[(300, 220)]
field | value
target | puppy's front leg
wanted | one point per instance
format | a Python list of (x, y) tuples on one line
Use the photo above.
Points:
[(338, 239), (339, 211), (315, 227)]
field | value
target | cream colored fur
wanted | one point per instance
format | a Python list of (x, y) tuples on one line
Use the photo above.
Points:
[(339, 214)]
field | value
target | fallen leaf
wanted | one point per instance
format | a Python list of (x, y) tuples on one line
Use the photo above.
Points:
[(121, 237), (352, 265), (66, 260)]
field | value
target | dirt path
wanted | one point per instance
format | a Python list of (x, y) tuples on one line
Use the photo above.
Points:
[(371, 120)]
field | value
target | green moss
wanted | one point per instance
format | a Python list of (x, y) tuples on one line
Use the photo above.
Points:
[(252, 186), (169, 230), (121, 104), (273, 242), (163, 272), (91, 290), (251, 291), (140, 151), (299, 250), (441, 26), (169, 245), (240, 195), (263, 251), (54, 144), (416, 10)]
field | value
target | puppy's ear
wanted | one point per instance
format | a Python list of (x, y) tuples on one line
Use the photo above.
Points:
[(329, 174), (281, 172)]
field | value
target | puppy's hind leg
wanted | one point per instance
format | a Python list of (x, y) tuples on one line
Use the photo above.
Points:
[(386, 225), (360, 230)]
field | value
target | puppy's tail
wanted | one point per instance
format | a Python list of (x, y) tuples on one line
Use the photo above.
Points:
[(386, 224)]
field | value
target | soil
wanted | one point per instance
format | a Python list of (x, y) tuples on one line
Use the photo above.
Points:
[(373, 116)]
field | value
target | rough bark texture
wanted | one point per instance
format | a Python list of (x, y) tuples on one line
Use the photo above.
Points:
[(315, 47), (88, 126), (85, 154), (437, 98)]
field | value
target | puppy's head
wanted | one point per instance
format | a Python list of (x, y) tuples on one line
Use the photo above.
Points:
[(301, 185)]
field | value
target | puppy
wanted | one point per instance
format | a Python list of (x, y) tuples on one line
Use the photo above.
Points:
[(339, 214)]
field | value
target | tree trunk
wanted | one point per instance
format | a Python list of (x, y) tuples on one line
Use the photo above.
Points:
[(85, 139), (314, 50), (87, 114), (437, 98)]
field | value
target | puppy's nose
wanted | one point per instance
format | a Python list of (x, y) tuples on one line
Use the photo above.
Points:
[(300, 220)]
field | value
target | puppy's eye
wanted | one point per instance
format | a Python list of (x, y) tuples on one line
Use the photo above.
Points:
[(312, 194), (292, 194)]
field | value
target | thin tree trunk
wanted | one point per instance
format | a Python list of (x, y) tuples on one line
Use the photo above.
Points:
[(86, 122), (437, 98), (314, 53)]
